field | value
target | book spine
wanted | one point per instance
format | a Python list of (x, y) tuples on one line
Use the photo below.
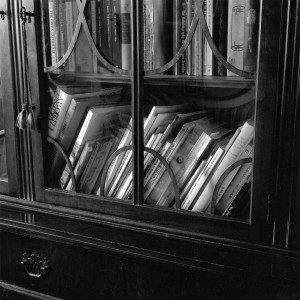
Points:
[(208, 56), (197, 49), (251, 35), (69, 34), (57, 112), (108, 20), (88, 171), (159, 28), (220, 26), (62, 27), (184, 10), (246, 153), (67, 120), (79, 139), (116, 33), (190, 4), (182, 135), (125, 18), (234, 189), (76, 50), (124, 163), (94, 33), (235, 41), (125, 141), (238, 146), (177, 7), (52, 29), (238, 201), (199, 183)]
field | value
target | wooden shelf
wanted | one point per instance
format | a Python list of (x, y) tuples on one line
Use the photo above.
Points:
[(163, 80)]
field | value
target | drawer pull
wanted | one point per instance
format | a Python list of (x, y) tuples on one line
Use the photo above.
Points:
[(35, 265)]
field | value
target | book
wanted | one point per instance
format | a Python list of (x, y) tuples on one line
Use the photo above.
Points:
[(251, 35), (201, 180), (159, 33), (72, 120), (81, 163), (95, 165), (197, 48), (198, 172), (125, 190), (148, 126), (84, 55), (237, 147), (227, 181), (235, 41), (125, 20), (116, 33), (234, 188), (240, 204), (220, 27), (114, 167), (207, 52), (93, 10), (54, 30), (60, 101), (148, 14), (70, 26), (190, 154), (62, 27), (177, 41), (153, 176), (100, 121)]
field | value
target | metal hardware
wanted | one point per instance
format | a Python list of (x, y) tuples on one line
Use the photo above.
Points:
[(35, 265), (2, 14), (25, 16)]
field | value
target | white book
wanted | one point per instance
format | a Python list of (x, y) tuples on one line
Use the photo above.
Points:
[(70, 31), (195, 176), (237, 147), (95, 125), (57, 111), (192, 194), (125, 16), (235, 40), (52, 29), (208, 54)]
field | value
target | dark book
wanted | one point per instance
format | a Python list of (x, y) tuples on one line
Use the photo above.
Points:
[(251, 35), (116, 33), (240, 206), (220, 21)]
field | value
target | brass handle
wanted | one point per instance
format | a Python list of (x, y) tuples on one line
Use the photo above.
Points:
[(35, 265), (2, 14)]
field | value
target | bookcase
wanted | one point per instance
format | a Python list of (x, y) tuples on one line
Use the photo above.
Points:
[(150, 132)]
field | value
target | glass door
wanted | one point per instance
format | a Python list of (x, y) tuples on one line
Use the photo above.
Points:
[(208, 115), (87, 61)]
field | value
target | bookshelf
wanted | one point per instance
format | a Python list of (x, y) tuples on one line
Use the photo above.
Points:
[(123, 156)]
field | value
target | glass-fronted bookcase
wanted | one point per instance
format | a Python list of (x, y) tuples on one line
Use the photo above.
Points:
[(166, 116)]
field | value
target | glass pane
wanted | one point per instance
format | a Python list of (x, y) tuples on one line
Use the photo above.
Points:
[(87, 58), (3, 169), (200, 110)]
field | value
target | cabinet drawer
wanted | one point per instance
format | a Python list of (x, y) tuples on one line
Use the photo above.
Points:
[(59, 270)]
